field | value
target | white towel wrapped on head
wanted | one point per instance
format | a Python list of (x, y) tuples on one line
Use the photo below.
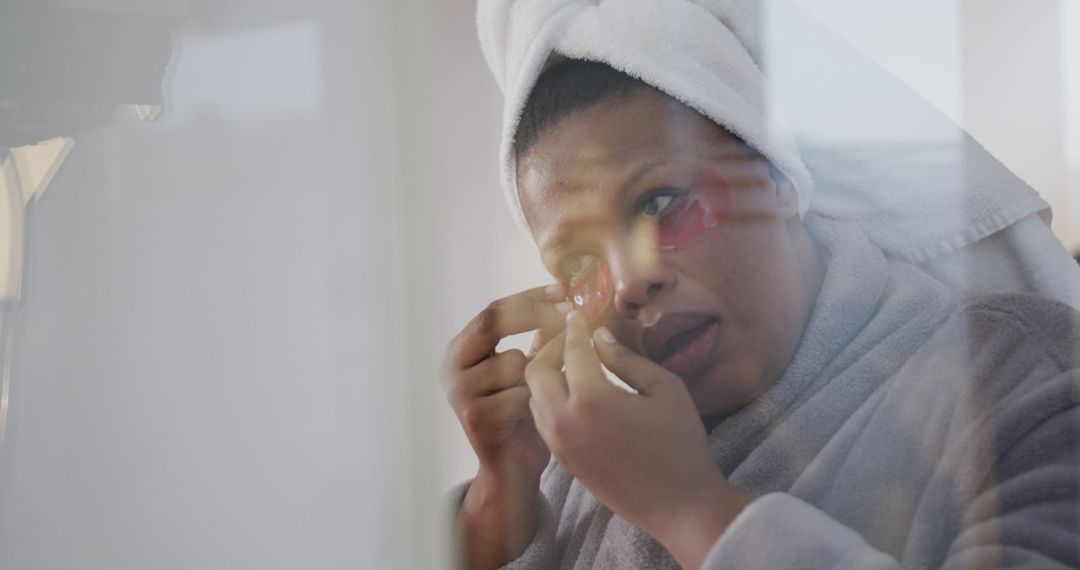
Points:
[(859, 146)]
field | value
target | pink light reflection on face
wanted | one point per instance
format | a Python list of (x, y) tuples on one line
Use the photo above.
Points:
[(708, 203)]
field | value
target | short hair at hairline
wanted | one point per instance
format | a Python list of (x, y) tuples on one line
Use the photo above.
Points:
[(567, 87), (573, 85)]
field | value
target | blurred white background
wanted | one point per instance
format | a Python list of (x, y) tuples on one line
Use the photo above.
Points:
[(204, 369), (232, 319)]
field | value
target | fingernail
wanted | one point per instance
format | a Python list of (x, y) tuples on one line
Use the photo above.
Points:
[(555, 291), (564, 308), (605, 335)]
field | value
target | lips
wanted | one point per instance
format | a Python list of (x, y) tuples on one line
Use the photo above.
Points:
[(683, 343)]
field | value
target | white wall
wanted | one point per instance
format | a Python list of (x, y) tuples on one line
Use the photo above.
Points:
[(206, 369), (1069, 214)]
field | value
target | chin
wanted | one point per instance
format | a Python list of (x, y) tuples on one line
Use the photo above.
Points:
[(724, 391)]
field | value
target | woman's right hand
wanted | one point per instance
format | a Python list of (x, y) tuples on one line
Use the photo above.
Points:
[(487, 389)]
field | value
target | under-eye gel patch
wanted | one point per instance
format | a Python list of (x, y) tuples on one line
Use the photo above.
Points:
[(593, 295), (709, 202)]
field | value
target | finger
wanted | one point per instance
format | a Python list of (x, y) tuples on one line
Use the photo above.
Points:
[(544, 374), (500, 372), (545, 334), (485, 415), (638, 372), (583, 371), (518, 313), (507, 406)]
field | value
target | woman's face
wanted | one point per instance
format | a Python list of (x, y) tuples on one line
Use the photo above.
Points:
[(676, 238)]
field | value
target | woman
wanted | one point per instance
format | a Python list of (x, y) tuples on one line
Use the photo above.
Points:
[(801, 399)]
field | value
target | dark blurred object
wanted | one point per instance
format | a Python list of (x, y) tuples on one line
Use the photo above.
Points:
[(1077, 257), (66, 66)]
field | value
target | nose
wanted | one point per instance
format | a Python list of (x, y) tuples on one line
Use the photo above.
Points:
[(639, 275)]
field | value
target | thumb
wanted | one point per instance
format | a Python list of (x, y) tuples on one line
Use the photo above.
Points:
[(640, 373)]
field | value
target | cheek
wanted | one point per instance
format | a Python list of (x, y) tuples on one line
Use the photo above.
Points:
[(593, 295), (709, 202), (763, 294)]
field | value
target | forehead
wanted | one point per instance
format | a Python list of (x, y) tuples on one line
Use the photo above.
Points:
[(578, 166)]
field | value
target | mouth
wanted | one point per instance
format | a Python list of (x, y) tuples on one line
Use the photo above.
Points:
[(684, 344)]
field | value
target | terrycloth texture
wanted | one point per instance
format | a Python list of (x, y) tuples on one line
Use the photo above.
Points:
[(911, 429), (860, 146), (1023, 257)]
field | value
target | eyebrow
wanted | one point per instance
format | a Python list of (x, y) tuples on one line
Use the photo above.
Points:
[(564, 232), (640, 172)]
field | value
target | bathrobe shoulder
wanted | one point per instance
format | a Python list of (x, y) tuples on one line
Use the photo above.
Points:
[(968, 456), (912, 429)]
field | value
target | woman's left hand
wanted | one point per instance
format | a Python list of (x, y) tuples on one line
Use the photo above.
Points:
[(645, 456)]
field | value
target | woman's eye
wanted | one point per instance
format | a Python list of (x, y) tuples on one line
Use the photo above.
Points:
[(578, 266), (653, 206)]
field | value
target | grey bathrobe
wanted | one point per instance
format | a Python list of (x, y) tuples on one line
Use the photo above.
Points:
[(912, 429)]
